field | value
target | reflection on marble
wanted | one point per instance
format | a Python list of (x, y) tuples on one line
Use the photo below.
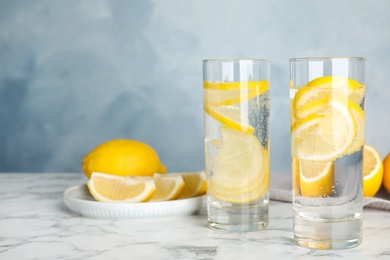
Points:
[(35, 224)]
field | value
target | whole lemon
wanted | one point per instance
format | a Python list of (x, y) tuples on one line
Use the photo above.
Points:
[(386, 173), (124, 158)]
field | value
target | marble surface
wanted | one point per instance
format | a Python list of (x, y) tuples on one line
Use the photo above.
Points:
[(36, 224)]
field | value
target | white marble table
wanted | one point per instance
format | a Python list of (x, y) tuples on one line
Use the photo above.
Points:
[(36, 224)]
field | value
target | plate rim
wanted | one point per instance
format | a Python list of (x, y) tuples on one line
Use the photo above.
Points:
[(74, 203)]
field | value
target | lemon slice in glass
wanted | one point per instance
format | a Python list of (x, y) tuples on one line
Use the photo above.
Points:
[(324, 138), (230, 93), (329, 87), (229, 116), (240, 170), (316, 178)]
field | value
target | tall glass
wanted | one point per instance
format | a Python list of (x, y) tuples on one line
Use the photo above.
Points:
[(327, 137), (236, 114)]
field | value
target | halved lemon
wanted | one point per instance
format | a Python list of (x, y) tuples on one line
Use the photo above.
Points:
[(372, 171), (111, 188), (316, 179), (229, 116), (168, 187), (241, 168), (324, 138), (329, 87)]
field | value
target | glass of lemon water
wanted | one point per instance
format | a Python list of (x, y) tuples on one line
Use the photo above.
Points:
[(327, 138), (236, 116)]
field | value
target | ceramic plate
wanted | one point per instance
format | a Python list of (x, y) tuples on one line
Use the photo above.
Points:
[(79, 200)]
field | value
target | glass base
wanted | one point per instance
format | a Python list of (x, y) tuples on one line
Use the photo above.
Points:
[(325, 234), (237, 218), (327, 244)]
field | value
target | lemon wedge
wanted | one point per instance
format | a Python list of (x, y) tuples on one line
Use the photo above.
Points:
[(229, 116), (168, 187), (112, 188), (324, 138), (315, 178), (240, 169), (372, 171), (195, 184)]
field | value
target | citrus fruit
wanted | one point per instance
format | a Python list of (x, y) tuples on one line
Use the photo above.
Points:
[(386, 173), (358, 116), (229, 116), (315, 178), (229, 93), (324, 138), (123, 158), (168, 187), (111, 188), (372, 171), (240, 169), (227, 97), (329, 87), (261, 85), (195, 184)]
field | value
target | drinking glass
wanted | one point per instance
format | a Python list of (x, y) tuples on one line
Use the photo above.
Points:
[(327, 138), (236, 116)]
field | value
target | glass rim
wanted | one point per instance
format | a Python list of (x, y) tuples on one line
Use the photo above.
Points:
[(259, 60), (328, 58)]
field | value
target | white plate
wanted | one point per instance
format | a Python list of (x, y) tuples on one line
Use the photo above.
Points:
[(78, 199)]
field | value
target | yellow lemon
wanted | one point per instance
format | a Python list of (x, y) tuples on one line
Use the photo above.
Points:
[(240, 169), (329, 87), (195, 184), (229, 116), (261, 85), (111, 188), (324, 138), (229, 93), (358, 116), (168, 187), (124, 158), (372, 171), (386, 173), (315, 178)]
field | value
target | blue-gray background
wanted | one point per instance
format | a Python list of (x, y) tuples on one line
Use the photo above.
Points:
[(74, 74)]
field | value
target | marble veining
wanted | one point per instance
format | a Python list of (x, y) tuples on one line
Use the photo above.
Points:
[(36, 224)]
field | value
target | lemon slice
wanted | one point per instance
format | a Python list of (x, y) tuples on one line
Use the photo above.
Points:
[(358, 116), (111, 188), (228, 97), (315, 178), (230, 93), (372, 171), (168, 187), (243, 197), (230, 117), (318, 107), (240, 169), (261, 85), (329, 87), (324, 138)]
